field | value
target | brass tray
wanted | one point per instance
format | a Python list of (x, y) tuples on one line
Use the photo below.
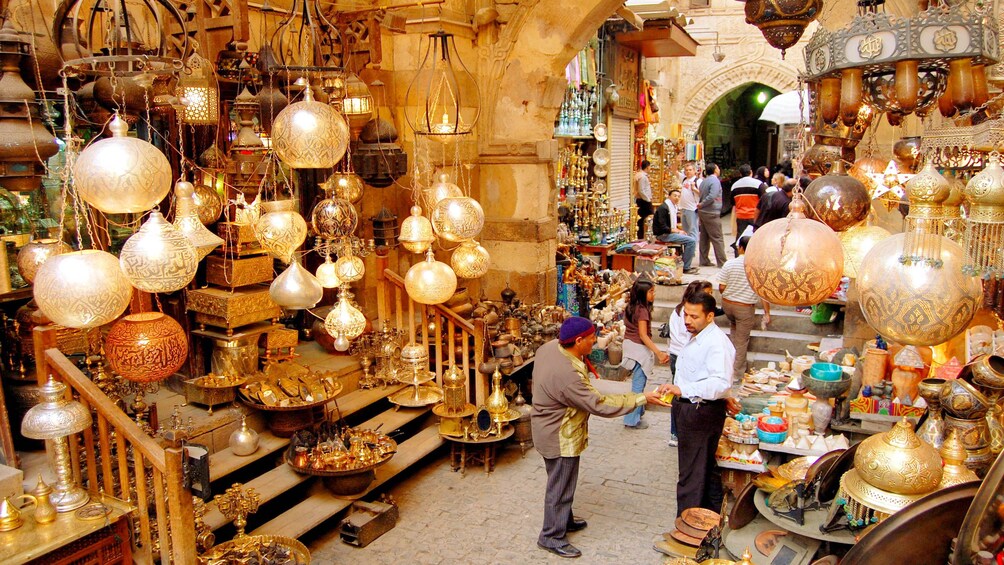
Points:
[(216, 555), (288, 458), (426, 395), (255, 404), (440, 410)]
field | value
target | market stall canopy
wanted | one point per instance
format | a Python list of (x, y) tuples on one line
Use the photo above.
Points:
[(784, 109), (660, 38)]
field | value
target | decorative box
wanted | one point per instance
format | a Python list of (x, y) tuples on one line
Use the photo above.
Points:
[(235, 272), (238, 240), (279, 338), (885, 407), (230, 309)]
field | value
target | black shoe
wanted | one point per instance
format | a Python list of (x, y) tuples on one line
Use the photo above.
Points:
[(691, 271), (576, 524), (567, 550)]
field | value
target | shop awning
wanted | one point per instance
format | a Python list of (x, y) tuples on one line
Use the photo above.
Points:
[(660, 38)]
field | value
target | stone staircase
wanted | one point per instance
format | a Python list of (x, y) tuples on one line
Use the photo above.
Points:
[(789, 331)]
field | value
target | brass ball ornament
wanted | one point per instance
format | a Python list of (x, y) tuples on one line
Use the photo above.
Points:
[(917, 302), (470, 260), (794, 261), (838, 199)]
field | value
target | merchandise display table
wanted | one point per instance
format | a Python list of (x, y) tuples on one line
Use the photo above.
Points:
[(96, 537), (603, 251), (813, 519), (464, 451)]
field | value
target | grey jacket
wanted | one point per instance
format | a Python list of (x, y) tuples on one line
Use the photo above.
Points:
[(711, 196)]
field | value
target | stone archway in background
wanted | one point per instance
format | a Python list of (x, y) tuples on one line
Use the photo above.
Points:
[(703, 96)]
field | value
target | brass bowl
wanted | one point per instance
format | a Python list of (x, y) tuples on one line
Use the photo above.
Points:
[(220, 554), (988, 371), (962, 400), (826, 389), (930, 390)]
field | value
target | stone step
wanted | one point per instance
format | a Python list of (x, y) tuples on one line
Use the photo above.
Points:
[(283, 478), (322, 505), (779, 343)]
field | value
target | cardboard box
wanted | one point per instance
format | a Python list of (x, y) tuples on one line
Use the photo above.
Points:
[(11, 481)]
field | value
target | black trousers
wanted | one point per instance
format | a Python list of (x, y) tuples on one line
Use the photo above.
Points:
[(644, 211), (698, 427), (562, 474)]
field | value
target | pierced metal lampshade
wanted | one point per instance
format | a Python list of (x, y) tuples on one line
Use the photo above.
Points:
[(208, 203), (281, 230), (470, 260), (36, 252), (53, 419), (350, 268), (199, 92), (334, 218), (347, 185), (83, 289), (857, 241), (188, 222), (430, 281), (158, 257), (309, 134), (357, 104), (439, 190), (146, 347), (985, 224), (120, 174), (416, 232), (344, 322), (327, 273), (295, 288), (458, 218)]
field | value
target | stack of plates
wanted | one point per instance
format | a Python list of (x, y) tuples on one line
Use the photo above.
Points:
[(693, 525)]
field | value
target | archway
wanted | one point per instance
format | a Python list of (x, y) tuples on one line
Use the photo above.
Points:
[(732, 133)]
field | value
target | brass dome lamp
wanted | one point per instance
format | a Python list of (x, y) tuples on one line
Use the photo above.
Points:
[(82, 289), (52, 419), (295, 288)]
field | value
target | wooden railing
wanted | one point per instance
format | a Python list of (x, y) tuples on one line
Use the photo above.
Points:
[(452, 337), (122, 461)]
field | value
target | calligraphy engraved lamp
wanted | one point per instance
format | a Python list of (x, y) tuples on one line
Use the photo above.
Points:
[(158, 257), (52, 420)]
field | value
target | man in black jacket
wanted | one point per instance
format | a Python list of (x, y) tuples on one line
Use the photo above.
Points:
[(665, 230)]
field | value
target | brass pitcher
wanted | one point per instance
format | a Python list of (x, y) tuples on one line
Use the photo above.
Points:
[(45, 511), (10, 514)]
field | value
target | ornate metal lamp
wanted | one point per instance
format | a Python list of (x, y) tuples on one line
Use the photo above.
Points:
[(902, 65), (782, 22), (199, 93), (357, 104), (53, 419), (443, 100), (376, 157)]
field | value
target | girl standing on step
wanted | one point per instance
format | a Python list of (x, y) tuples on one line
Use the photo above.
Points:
[(640, 352)]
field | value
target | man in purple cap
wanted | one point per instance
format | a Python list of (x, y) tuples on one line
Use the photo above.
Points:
[(563, 399)]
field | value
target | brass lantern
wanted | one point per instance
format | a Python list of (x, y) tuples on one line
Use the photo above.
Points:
[(158, 257), (782, 22), (357, 104), (430, 281), (344, 322), (384, 228), (985, 224), (281, 229), (837, 199), (376, 157), (416, 232), (146, 347), (82, 289), (199, 93), (295, 288), (188, 222), (443, 100), (26, 142), (470, 260)]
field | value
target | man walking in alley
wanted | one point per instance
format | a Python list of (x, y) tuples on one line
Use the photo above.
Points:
[(665, 230), (563, 399), (709, 210), (746, 193), (739, 302)]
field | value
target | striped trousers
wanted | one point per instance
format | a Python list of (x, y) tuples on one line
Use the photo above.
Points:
[(562, 474)]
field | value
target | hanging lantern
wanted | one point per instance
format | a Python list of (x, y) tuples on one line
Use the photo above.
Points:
[(120, 174), (295, 288), (856, 242), (357, 104), (350, 268), (430, 281), (985, 224), (309, 134), (924, 302), (345, 185), (247, 168), (864, 167), (334, 218), (782, 22), (344, 322), (926, 191), (439, 190), (376, 157), (327, 273), (458, 218), (187, 221), (208, 204), (443, 101), (470, 260), (82, 289), (955, 227), (36, 252), (271, 101), (384, 228), (158, 257), (199, 93), (146, 347), (416, 232), (26, 143), (794, 261), (837, 199), (281, 230)]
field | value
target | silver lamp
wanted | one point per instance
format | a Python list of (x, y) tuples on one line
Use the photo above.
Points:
[(53, 419)]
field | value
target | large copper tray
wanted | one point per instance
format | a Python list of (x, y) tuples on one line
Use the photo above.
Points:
[(288, 458), (217, 555), (258, 405)]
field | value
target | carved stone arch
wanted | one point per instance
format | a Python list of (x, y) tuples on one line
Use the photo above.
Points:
[(703, 95)]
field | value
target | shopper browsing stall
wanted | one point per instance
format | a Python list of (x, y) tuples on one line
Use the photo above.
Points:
[(563, 399), (640, 352)]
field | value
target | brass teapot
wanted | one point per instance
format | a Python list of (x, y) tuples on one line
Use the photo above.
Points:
[(10, 514)]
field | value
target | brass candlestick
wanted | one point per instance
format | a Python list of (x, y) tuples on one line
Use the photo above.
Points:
[(236, 504)]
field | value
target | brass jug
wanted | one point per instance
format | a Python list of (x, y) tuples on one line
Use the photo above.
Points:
[(10, 514), (45, 511), (497, 404)]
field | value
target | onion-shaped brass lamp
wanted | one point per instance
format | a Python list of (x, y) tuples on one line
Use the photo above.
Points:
[(985, 223), (350, 268), (327, 273), (794, 261), (344, 184), (295, 288), (281, 229), (430, 281), (470, 260), (344, 322), (782, 22), (120, 174), (158, 257), (838, 199), (53, 419), (82, 289)]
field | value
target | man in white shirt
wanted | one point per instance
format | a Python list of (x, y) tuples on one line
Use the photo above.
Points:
[(739, 302), (702, 383), (689, 195)]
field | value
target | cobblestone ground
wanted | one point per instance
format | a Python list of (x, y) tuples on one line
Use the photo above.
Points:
[(627, 492)]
